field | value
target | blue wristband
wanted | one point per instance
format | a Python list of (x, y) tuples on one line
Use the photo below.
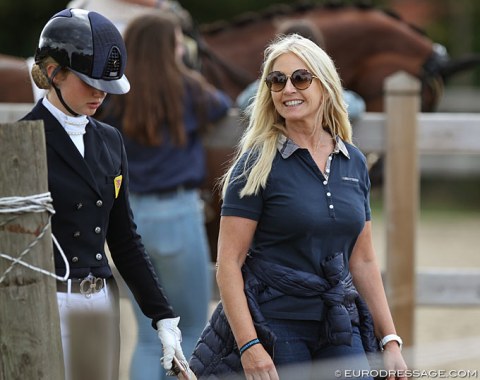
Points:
[(247, 345)]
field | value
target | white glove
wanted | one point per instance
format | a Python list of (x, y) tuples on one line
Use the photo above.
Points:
[(170, 336)]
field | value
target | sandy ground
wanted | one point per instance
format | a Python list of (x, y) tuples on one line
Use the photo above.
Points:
[(446, 338)]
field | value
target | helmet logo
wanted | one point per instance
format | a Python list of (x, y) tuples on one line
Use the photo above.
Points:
[(114, 64)]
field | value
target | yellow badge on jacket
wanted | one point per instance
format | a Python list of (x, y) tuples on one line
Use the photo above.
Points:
[(117, 183)]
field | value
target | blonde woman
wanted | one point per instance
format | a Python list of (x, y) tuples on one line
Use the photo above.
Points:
[(295, 255)]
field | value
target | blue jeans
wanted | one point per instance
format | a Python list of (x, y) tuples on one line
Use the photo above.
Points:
[(301, 352), (173, 232)]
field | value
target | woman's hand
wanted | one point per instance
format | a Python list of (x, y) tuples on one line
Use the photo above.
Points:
[(394, 362), (258, 365)]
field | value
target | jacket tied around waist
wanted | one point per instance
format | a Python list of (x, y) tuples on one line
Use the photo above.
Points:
[(216, 353)]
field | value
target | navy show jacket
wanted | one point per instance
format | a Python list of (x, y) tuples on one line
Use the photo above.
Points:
[(89, 212)]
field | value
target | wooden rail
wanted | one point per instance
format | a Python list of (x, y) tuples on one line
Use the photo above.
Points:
[(438, 133)]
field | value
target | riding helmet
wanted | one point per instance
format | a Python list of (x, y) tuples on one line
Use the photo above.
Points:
[(88, 44)]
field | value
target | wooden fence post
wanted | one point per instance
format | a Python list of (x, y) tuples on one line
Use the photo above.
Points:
[(30, 342), (401, 197)]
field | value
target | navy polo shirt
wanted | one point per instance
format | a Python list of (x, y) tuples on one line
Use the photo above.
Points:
[(303, 215)]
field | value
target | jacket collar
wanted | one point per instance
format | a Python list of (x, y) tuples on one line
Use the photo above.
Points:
[(58, 140)]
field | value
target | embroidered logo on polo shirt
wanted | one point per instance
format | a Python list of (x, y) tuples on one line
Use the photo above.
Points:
[(350, 179)]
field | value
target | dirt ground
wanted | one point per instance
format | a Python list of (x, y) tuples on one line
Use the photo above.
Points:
[(446, 338)]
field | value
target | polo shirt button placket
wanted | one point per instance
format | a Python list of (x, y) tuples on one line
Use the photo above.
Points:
[(329, 197), (331, 208)]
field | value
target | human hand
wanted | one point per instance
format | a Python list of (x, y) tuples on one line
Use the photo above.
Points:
[(257, 364), (394, 362), (171, 337)]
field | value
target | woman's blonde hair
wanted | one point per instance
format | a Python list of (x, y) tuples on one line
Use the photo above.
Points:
[(265, 125)]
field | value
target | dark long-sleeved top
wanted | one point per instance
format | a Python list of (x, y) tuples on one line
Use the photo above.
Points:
[(90, 198), (162, 168)]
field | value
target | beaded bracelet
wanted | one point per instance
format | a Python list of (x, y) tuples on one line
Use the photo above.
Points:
[(247, 345)]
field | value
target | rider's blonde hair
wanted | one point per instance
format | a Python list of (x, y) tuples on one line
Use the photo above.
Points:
[(39, 73), (259, 141)]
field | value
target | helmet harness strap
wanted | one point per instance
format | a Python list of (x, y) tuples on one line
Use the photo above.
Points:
[(58, 92)]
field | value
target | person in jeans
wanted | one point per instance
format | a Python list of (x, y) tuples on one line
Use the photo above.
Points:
[(162, 120), (301, 291)]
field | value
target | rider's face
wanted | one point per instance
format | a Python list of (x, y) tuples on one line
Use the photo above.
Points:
[(79, 96)]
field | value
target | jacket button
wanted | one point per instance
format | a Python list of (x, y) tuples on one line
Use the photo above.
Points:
[(76, 234), (98, 230), (78, 206), (74, 259), (99, 203), (98, 256)]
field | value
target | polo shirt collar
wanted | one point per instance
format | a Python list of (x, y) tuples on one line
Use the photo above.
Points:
[(286, 146)]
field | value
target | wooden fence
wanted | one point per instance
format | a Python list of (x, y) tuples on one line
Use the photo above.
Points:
[(401, 134)]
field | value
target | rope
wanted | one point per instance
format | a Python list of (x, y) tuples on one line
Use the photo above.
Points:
[(30, 204)]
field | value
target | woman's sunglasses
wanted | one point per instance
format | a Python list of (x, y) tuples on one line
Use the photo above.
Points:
[(301, 80)]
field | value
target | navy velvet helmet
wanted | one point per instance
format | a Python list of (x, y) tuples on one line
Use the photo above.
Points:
[(88, 44)]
